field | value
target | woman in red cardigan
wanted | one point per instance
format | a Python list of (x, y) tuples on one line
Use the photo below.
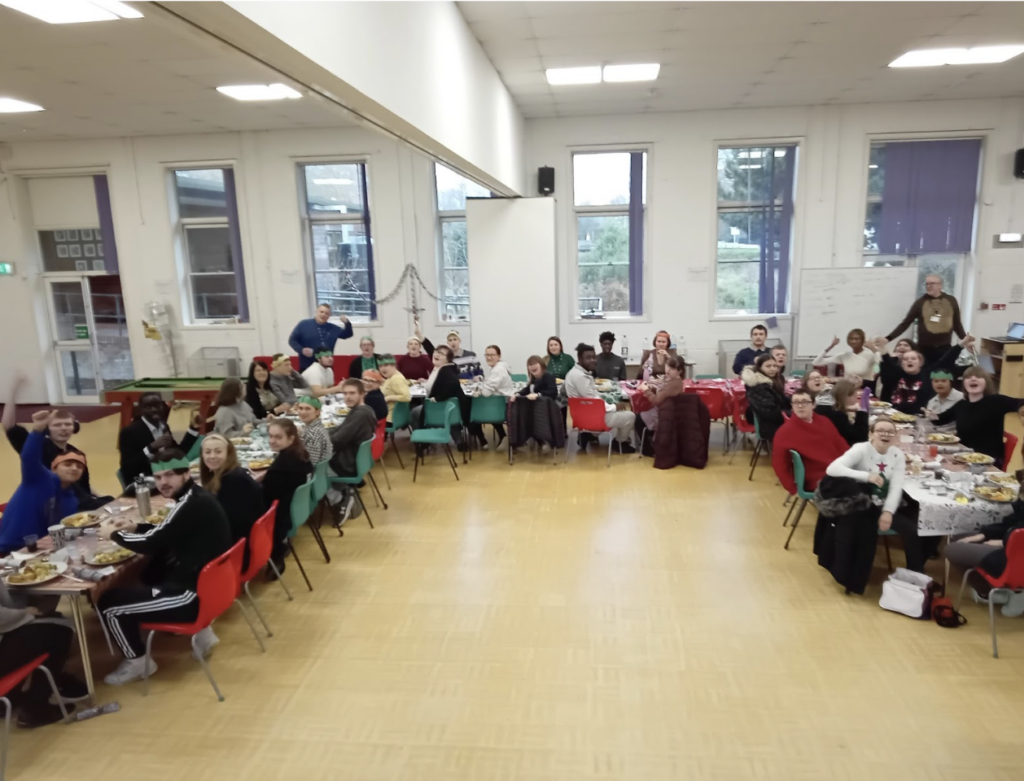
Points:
[(813, 437)]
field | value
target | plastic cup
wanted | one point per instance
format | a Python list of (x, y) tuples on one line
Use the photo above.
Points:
[(933, 452), (32, 542), (56, 533)]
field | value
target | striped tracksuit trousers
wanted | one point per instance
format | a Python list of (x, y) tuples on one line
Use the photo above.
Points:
[(126, 609)]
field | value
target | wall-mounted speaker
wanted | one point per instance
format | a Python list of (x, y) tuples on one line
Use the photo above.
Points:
[(546, 180), (1018, 164)]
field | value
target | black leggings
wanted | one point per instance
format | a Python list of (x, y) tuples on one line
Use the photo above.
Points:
[(27, 643)]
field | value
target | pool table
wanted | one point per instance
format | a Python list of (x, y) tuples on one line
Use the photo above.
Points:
[(201, 389)]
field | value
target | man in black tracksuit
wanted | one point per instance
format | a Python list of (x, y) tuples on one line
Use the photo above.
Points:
[(194, 533)]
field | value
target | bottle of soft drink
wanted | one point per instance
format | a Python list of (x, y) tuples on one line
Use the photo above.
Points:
[(625, 347), (865, 398)]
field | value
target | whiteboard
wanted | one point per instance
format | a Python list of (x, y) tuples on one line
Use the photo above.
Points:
[(835, 300)]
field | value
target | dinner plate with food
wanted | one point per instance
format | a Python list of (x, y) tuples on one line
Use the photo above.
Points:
[(1002, 478), (973, 458), (158, 516), (241, 440), (32, 573), (995, 493), (82, 520), (260, 463), (902, 417), (943, 439), (108, 556), (879, 404)]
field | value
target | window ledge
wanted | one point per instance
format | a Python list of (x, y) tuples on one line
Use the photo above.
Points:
[(223, 326), (727, 317), (612, 319)]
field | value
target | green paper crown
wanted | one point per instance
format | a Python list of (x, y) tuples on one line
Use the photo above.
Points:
[(942, 374), (310, 401), (174, 463)]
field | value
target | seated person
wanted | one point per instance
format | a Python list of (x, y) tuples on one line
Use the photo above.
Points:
[(443, 384), (285, 381), (259, 395), (579, 384), (539, 382), (557, 362), (314, 435), (845, 413), (374, 398), (945, 394), (781, 355), (416, 364), (195, 533), (858, 360), (320, 374), (747, 356), (396, 386), (889, 366), (359, 426), (980, 416), (466, 360), (675, 368), (810, 434), (609, 365), (913, 389), (987, 549), (239, 495), (367, 360), (498, 382), (290, 469), (55, 443), (234, 418), (148, 433), (24, 638), (653, 362), (766, 395), (814, 384), (44, 496)]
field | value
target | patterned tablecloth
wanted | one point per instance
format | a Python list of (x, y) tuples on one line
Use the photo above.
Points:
[(942, 516)]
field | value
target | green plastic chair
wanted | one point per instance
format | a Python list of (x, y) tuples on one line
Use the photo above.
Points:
[(435, 418), (438, 417), (488, 409), (120, 479), (803, 495), (798, 373), (399, 420), (301, 510), (197, 448), (708, 377), (364, 463), (520, 378), (321, 481)]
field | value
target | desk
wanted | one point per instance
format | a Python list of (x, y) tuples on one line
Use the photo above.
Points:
[(1008, 362), (201, 389)]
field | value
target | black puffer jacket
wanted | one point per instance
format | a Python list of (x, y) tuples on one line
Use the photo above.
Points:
[(846, 534), (766, 400)]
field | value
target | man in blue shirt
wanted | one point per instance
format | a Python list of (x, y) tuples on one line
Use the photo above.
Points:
[(317, 331), (747, 356)]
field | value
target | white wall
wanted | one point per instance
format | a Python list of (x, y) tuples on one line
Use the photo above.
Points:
[(831, 187)]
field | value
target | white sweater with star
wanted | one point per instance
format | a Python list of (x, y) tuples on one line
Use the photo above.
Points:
[(862, 460)]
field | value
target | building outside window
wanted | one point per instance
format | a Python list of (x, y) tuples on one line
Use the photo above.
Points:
[(453, 258), (609, 197), (337, 218)]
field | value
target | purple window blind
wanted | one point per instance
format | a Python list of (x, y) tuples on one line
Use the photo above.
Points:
[(371, 284), (776, 236), (102, 190), (928, 197), (636, 233), (235, 238)]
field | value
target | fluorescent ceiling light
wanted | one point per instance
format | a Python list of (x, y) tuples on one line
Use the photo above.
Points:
[(332, 181), (561, 76), (260, 92), (12, 106), (639, 72), (979, 55), (1009, 238), (73, 11)]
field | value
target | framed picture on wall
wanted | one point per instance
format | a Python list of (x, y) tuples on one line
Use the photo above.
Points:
[(99, 248), (62, 250), (72, 235), (58, 235), (97, 265), (86, 234), (81, 265), (89, 250), (96, 234), (75, 250)]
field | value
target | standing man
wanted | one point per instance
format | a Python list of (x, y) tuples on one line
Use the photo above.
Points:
[(937, 316), (609, 365), (310, 334), (747, 356), (579, 384)]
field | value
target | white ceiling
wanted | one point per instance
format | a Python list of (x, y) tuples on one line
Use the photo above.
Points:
[(719, 55), (134, 77)]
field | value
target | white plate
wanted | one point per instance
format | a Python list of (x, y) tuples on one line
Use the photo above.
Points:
[(92, 563), (61, 569)]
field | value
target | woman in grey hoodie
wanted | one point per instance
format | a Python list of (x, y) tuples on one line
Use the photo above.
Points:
[(234, 417), (497, 382)]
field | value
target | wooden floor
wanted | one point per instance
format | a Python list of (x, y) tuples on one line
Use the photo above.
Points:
[(559, 623)]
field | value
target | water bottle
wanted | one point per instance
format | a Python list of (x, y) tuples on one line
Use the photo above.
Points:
[(681, 350), (625, 347), (919, 430), (865, 399), (142, 497), (98, 710)]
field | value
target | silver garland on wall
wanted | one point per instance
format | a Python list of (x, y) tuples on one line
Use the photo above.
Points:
[(409, 273)]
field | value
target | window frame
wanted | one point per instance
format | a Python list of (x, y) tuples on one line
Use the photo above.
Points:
[(795, 252), (617, 210), (448, 216), (309, 220)]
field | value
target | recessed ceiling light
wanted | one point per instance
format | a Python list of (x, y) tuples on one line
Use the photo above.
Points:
[(260, 92), (979, 55), (587, 75), (73, 11), (12, 106), (640, 72)]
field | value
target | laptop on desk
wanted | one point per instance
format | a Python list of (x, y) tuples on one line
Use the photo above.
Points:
[(1015, 333)]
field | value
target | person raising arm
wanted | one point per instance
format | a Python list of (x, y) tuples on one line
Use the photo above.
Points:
[(316, 332)]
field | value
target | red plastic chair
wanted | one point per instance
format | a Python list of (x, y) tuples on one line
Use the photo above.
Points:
[(261, 543), (714, 400), (10, 682), (1011, 448), (218, 589), (380, 441), (588, 417), (740, 425), (1011, 580)]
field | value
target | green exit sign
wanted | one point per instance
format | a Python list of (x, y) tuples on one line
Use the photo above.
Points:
[(81, 332), (6, 269)]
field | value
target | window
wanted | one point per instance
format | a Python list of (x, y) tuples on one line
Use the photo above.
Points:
[(610, 196), (340, 241), (211, 245), (72, 249), (921, 204), (755, 229), (452, 191)]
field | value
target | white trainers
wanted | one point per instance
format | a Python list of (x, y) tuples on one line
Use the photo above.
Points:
[(204, 643), (545, 448), (129, 670), (1015, 606)]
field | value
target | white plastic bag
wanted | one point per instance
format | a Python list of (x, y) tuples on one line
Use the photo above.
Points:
[(907, 592)]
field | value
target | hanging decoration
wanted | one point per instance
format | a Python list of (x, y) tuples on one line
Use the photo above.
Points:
[(411, 277)]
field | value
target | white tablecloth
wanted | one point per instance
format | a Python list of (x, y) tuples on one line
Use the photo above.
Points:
[(942, 516)]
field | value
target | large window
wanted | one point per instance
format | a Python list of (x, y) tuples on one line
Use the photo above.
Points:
[(921, 205), (755, 229), (453, 274), (609, 195), (338, 221), (210, 243)]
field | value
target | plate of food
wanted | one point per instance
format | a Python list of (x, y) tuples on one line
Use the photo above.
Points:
[(973, 458), (260, 463), (995, 493), (81, 520), (157, 517), (241, 440), (943, 439), (35, 572), (902, 417), (559, 380), (879, 404), (1002, 478), (108, 556)]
